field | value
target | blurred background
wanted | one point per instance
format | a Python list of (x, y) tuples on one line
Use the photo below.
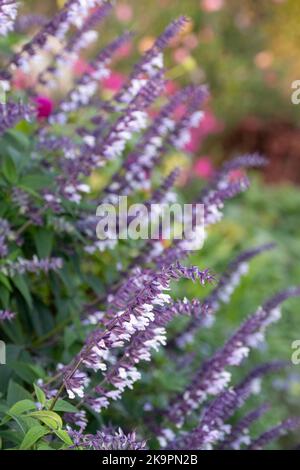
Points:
[(248, 54)]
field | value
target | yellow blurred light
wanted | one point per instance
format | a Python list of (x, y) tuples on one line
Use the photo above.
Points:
[(187, 27), (146, 43), (175, 160), (189, 64), (166, 243), (97, 181), (263, 59), (60, 3)]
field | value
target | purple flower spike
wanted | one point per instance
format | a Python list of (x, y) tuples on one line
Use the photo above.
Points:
[(8, 14), (244, 161), (213, 376), (12, 113), (87, 85), (239, 434), (213, 426), (73, 13), (34, 265), (31, 20), (274, 433), (150, 64), (107, 440), (81, 39)]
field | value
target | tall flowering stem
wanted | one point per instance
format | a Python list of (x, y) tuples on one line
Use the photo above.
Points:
[(222, 177), (274, 433), (212, 377), (239, 433), (82, 38), (72, 14), (87, 84), (165, 130), (150, 64), (213, 425), (136, 317)]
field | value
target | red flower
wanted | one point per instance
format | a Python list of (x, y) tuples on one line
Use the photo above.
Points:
[(44, 106)]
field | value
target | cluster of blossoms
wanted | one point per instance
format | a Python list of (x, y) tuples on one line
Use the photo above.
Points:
[(212, 427), (34, 265), (136, 171), (11, 113), (86, 87), (107, 439), (213, 376), (128, 324), (8, 14), (84, 36), (138, 324)]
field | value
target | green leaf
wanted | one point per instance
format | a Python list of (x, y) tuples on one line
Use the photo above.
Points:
[(5, 281), (3, 407), (35, 182), (20, 139), (32, 436), (44, 446), (51, 419), (9, 170), (24, 371), (12, 354), (16, 393), (40, 394), (21, 406), (62, 405), (49, 422), (64, 436), (44, 241), (21, 284), (4, 296), (22, 423), (13, 436)]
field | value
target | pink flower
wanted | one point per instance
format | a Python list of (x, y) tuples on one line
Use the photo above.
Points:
[(114, 81), (81, 66), (21, 80), (236, 175), (204, 168), (124, 51), (44, 106), (124, 12), (180, 54), (212, 5), (209, 125), (191, 41), (171, 88)]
